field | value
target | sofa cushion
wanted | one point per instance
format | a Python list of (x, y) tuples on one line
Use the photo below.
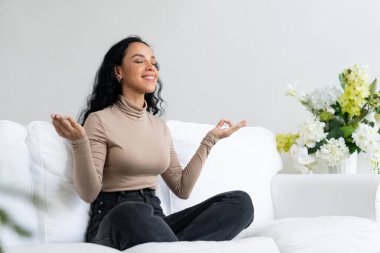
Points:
[(64, 217), (62, 248), (247, 245), (247, 160), (328, 234), (15, 175)]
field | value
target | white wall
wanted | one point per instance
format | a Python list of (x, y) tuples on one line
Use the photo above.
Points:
[(218, 59)]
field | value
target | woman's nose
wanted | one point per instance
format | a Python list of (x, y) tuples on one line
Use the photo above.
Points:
[(149, 66)]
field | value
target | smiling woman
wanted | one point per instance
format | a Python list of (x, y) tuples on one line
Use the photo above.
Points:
[(122, 70), (122, 146)]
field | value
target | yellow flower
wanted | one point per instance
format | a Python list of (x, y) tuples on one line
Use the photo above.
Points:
[(326, 116), (285, 141), (374, 100), (356, 90)]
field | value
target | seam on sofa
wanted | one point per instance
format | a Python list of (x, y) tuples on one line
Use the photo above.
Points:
[(43, 183), (30, 176), (42, 212)]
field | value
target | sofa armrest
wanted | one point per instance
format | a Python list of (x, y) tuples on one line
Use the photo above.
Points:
[(328, 194)]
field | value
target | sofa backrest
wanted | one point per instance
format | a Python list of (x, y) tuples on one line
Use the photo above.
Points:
[(16, 184), (247, 160), (326, 194)]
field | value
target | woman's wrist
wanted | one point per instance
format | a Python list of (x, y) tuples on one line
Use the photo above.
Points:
[(210, 139), (80, 141)]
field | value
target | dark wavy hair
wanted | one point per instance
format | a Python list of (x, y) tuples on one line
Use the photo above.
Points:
[(106, 88)]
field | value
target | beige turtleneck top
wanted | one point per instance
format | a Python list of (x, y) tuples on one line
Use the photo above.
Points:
[(126, 148)]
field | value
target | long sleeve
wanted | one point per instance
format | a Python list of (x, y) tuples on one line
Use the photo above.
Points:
[(89, 154), (181, 181)]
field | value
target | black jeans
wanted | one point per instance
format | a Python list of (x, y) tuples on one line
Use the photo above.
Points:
[(124, 219)]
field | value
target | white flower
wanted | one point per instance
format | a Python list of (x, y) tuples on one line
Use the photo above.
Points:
[(300, 155), (301, 159), (303, 169), (311, 132), (374, 156), (358, 74), (371, 117), (334, 151), (366, 137), (322, 99), (291, 92)]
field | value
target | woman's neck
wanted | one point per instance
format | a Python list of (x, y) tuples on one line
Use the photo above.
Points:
[(135, 99)]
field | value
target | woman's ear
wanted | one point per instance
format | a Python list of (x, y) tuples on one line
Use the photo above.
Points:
[(118, 74)]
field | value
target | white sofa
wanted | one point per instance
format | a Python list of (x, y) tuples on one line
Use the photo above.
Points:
[(293, 213)]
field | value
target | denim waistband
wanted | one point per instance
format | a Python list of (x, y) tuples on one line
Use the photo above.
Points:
[(133, 193)]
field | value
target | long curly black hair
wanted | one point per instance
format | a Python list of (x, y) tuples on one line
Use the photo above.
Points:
[(106, 87)]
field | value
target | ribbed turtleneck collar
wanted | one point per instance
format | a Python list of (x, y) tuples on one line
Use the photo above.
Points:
[(131, 111)]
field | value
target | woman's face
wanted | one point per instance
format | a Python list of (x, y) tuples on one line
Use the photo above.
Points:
[(138, 69)]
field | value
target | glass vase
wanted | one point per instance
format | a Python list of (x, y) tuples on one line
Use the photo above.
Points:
[(347, 166)]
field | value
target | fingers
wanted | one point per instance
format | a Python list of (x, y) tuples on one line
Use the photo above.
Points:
[(64, 126), (68, 120), (65, 123), (242, 123), (57, 128), (63, 129), (73, 123), (222, 122), (232, 128)]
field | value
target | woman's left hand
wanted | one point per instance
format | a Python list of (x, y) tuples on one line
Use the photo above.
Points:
[(221, 133)]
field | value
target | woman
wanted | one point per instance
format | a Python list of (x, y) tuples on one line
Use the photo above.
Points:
[(121, 147)]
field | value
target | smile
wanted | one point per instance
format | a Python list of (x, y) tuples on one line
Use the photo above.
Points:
[(149, 78)]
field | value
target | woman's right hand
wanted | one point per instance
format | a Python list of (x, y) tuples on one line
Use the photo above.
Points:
[(67, 127)]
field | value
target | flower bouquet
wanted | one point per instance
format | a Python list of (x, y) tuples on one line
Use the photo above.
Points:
[(342, 121)]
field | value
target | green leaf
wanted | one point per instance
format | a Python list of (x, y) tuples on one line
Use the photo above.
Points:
[(317, 146), (335, 133), (21, 231), (347, 130), (352, 147), (342, 81), (336, 107), (363, 114), (372, 87), (19, 193), (334, 123), (4, 218)]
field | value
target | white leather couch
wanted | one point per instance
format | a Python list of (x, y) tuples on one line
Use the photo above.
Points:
[(293, 213)]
